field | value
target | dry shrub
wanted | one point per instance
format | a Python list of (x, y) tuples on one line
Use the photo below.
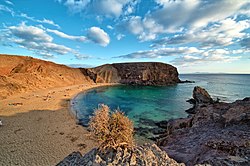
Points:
[(112, 130)]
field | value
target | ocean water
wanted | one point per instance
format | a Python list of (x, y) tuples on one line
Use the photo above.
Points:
[(146, 105)]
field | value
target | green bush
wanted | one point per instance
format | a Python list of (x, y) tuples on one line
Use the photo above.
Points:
[(112, 130)]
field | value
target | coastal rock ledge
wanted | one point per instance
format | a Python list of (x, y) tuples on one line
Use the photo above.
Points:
[(216, 133), (140, 155)]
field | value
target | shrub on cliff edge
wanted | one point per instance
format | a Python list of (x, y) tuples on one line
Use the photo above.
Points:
[(112, 130)]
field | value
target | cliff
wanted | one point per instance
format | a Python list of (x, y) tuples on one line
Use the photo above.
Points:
[(140, 73), (20, 74)]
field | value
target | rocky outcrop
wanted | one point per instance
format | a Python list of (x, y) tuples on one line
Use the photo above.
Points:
[(217, 133), (200, 97), (20, 74), (142, 155), (140, 73)]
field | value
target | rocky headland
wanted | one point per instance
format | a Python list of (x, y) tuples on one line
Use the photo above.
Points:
[(20, 74), (215, 133), (139, 73)]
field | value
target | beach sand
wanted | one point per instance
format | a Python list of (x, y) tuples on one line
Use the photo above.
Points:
[(38, 128)]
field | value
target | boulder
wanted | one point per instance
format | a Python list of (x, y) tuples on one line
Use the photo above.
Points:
[(200, 95), (201, 98), (141, 155)]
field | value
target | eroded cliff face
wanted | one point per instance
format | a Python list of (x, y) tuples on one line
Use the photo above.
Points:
[(21, 74), (140, 73)]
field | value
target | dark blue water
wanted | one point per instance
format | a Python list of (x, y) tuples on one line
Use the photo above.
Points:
[(147, 104)]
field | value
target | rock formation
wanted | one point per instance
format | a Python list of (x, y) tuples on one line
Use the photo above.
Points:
[(142, 155), (217, 133), (20, 74), (200, 97), (140, 73)]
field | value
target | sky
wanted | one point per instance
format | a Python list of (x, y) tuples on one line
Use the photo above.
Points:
[(193, 35)]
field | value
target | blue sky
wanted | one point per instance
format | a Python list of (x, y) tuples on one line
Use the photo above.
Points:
[(193, 35)]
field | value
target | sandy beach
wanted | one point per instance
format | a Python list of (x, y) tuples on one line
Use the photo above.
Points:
[(38, 128)]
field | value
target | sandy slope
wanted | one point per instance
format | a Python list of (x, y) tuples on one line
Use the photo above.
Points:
[(20, 74), (39, 129)]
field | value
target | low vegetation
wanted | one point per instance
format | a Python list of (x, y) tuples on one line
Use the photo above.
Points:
[(112, 130)]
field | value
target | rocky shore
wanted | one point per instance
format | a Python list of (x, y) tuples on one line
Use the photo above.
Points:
[(140, 155), (215, 133)]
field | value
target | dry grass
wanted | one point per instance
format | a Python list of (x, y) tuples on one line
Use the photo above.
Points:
[(112, 130)]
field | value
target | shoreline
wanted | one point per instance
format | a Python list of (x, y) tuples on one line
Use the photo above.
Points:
[(74, 99), (38, 128)]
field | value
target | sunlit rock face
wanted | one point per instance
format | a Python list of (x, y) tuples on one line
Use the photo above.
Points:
[(140, 73), (140, 155)]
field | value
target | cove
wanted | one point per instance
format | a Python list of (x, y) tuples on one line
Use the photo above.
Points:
[(146, 105)]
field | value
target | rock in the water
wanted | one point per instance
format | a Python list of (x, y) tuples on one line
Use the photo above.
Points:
[(217, 134), (200, 99), (139, 73), (145, 155), (200, 95)]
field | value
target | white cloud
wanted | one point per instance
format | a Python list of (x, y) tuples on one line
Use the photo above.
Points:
[(120, 36), (9, 3), (37, 40), (193, 60), (194, 13), (76, 6), (223, 33), (107, 8), (182, 16), (208, 56), (186, 56), (161, 52), (110, 27), (6, 9), (63, 35), (94, 34), (30, 33), (44, 21), (99, 36), (81, 56)]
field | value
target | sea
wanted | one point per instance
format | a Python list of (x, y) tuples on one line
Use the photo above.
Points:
[(146, 105)]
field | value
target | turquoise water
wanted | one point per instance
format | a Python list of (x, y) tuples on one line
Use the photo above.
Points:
[(146, 105)]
